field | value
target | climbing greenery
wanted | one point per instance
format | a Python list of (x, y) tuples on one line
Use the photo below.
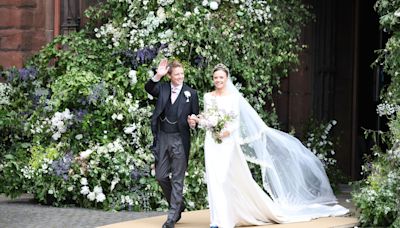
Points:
[(75, 121), (377, 195)]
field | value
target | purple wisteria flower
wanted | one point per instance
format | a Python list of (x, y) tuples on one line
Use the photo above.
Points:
[(82, 101), (80, 114), (142, 56), (200, 61), (136, 174), (28, 73), (61, 166)]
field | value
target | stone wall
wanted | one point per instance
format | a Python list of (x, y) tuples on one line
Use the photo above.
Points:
[(25, 26)]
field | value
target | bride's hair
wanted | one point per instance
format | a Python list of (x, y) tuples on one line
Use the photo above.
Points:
[(222, 67)]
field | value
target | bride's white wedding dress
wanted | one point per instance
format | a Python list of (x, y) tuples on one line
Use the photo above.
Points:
[(234, 196)]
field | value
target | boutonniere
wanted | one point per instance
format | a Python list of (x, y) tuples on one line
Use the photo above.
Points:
[(187, 95)]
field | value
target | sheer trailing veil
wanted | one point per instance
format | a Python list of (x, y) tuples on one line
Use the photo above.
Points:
[(291, 173)]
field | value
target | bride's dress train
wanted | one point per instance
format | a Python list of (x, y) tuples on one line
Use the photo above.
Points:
[(297, 186)]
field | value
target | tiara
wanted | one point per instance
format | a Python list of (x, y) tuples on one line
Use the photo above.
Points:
[(221, 66)]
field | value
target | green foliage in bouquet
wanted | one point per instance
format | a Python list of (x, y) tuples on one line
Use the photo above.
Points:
[(377, 196), (75, 121)]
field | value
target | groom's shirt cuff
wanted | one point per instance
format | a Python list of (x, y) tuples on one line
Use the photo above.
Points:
[(154, 79)]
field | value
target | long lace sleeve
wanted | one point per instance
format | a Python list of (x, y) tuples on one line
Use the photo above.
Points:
[(233, 125)]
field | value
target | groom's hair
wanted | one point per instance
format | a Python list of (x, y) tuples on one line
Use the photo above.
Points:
[(174, 64)]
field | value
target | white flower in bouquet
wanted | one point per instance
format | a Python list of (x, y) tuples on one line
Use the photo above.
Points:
[(205, 3), (79, 136), (215, 120)]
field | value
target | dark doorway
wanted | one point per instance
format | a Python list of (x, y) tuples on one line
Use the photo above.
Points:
[(370, 81)]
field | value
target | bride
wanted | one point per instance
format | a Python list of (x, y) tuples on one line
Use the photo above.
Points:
[(295, 181)]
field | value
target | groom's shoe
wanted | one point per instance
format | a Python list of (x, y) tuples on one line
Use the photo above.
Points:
[(183, 207), (169, 224)]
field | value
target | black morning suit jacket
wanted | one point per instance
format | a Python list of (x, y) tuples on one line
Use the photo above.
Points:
[(186, 107)]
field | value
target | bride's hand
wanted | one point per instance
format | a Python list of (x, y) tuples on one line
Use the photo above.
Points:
[(196, 118), (224, 134)]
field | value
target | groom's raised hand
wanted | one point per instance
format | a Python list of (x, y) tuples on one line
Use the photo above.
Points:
[(162, 69)]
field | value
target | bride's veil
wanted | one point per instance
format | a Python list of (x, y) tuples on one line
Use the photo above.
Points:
[(291, 174)]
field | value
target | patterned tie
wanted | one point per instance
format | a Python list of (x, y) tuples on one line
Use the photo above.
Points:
[(174, 94)]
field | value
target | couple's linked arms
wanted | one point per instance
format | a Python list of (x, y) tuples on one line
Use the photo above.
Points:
[(200, 120)]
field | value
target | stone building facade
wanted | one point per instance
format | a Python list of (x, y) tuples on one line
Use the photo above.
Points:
[(27, 25)]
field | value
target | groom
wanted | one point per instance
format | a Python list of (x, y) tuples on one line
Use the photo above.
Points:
[(170, 125)]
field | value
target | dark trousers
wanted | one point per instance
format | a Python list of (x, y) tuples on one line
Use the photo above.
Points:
[(171, 160)]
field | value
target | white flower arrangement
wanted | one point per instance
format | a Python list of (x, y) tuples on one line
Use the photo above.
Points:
[(84, 155), (91, 196), (59, 123), (397, 13), (214, 5), (132, 75), (85, 190), (100, 197), (4, 93), (84, 181), (98, 189), (386, 109), (78, 136), (118, 116), (321, 145)]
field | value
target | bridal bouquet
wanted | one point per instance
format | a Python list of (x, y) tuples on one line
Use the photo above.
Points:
[(215, 120)]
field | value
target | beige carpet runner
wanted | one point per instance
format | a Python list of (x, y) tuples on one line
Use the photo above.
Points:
[(200, 219)]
